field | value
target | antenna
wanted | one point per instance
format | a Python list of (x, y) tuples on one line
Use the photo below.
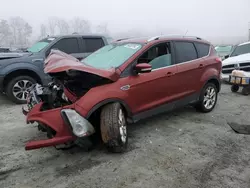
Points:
[(186, 32)]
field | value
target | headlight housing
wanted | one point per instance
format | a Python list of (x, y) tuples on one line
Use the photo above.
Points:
[(80, 126)]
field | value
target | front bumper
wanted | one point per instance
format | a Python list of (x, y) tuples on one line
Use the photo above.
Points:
[(53, 119)]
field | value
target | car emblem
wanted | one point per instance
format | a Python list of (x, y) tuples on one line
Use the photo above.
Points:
[(126, 87), (236, 66)]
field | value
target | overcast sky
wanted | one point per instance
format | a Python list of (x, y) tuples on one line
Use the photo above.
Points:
[(200, 17)]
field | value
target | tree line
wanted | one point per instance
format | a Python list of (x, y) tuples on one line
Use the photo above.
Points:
[(18, 32)]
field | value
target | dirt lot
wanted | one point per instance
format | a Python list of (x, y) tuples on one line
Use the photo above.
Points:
[(180, 149)]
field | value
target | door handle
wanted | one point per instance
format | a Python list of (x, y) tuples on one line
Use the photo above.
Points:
[(169, 74), (201, 66)]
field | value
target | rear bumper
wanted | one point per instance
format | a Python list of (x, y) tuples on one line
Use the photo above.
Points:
[(51, 118)]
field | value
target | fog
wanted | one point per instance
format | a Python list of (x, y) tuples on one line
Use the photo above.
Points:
[(220, 21)]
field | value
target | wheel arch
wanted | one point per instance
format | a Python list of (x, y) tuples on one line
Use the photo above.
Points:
[(21, 72), (101, 104), (215, 81)]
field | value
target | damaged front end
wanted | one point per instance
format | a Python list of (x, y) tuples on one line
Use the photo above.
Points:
[(63, 126), (53, 106)]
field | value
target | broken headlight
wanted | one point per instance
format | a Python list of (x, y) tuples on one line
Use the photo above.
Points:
[(80, 126)]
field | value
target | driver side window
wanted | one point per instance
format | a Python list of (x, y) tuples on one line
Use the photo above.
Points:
[(158, 56)]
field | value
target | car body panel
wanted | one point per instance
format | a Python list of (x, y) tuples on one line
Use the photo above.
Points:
[(142, 95)]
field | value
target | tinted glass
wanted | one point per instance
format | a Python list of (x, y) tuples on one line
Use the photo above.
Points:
[(241, 49), (202, 49), (93, 44), (158, 56), (185, 51), (112, 55), (68, 46)]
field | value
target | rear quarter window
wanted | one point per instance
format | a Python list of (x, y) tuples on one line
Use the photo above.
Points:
[(202, 49)]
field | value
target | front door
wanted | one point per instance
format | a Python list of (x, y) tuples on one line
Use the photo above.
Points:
[(149, 90)]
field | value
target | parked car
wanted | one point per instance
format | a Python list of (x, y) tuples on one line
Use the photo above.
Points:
[(224, 50), (122, 83), (239, 59), (18, 71)]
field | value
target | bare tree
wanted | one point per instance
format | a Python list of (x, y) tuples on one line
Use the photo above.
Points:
[(63, 26), (5, 32), (43, 31), (102, 28), (80, 25), (52, 25), (27, 32), (21, 30)]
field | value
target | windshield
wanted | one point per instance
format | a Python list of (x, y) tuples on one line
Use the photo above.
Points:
[(37, 47), (241, 49), (223, 48), (112, 55)]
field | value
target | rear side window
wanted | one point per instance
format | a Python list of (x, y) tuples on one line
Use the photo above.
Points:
[(92, 44), (185, 51), (67, 45), (202, 49)]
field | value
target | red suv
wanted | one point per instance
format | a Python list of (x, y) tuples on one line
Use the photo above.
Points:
[(121, 83)]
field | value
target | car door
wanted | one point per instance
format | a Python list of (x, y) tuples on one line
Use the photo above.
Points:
[(90, 44), (189, 68), (67, 45), (149, 90)]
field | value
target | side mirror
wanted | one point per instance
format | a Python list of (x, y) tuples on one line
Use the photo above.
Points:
[(143, 68), (226, 56)]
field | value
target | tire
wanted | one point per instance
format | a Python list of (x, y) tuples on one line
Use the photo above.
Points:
[(114, 128), (20, 81), (201, 105), (245, 91), (235, 88)]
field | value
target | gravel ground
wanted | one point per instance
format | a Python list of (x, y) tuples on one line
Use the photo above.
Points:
[(179, 149)]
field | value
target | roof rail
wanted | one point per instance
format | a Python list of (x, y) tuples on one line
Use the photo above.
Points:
[(192, 37), (158, 37), (153, 38)]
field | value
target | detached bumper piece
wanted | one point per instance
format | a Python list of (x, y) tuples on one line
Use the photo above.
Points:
[(67, 124)]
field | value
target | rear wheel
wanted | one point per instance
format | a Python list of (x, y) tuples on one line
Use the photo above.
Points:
[(245, 91), (17, 88), (208, 98), (114, 128), (235, 88)]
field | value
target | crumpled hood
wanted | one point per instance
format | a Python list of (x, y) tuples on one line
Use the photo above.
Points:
[(58, 61), (237, 59)]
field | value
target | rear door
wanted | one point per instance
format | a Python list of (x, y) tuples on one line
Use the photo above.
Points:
[(90, 44), (189, 67)]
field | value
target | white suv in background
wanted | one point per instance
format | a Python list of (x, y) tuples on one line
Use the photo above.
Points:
[(239, 59)]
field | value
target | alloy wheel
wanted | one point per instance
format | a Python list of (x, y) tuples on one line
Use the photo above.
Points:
[(20, 89)]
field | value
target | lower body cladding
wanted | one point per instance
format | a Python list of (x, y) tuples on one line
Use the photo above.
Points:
[(64, 126)]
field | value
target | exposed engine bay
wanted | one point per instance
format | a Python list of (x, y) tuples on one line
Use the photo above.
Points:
[(65, 88)]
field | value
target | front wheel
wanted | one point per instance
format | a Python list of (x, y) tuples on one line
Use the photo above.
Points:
[(114, 128), (17, 88), (208, 98)]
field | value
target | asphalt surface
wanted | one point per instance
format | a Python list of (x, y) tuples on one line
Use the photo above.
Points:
[(179, 149)]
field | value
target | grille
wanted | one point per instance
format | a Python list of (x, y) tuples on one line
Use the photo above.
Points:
[(227, 69)]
